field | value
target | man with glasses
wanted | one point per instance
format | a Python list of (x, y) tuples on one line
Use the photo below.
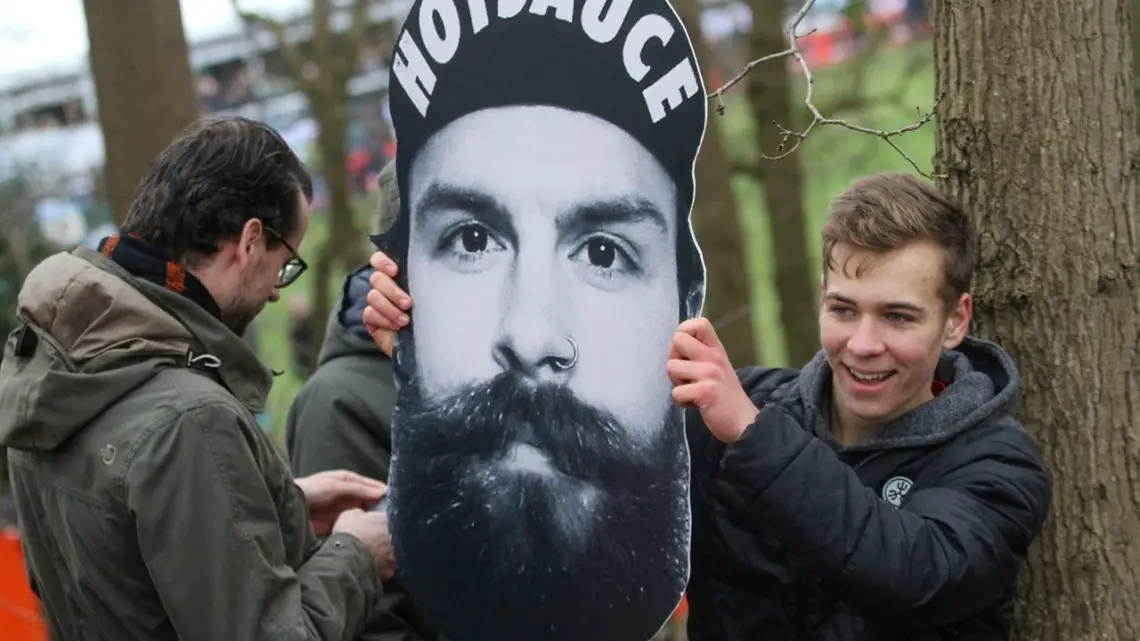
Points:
[(152, 505), (293, 267)]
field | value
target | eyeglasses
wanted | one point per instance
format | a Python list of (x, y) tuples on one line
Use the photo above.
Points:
[(293, 268)]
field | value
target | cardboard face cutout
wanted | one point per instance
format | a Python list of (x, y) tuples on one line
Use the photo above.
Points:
[(539, 480)]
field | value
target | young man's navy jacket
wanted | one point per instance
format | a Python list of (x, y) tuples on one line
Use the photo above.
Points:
[(913, 535)]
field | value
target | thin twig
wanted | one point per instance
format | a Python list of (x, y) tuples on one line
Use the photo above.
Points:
[(719, 93), (733, 316), (818, 119)]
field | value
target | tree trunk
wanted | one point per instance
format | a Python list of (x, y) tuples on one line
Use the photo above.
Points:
[(769, 94), (1134, 22), (321, 296), (343, 246), (728, 295), (1038, 137), (143, 85)]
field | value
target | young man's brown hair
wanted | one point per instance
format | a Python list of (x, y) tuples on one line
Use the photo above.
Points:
[(888, 211)]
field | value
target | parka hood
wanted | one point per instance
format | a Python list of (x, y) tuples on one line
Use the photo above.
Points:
[(345, 334), (89, 333)]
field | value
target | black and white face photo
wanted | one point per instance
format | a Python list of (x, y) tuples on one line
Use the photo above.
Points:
[(539, 478), (540, 428)]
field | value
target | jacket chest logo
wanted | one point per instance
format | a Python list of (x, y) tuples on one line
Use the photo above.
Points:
[(895, 489)]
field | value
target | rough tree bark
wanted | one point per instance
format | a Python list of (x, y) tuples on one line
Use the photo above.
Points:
[(770, 98), (143, 85), (1037, 136), (1134, 23), (322, 74), (717, 227)]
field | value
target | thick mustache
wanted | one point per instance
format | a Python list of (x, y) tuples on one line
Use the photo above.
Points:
[(483, 421)]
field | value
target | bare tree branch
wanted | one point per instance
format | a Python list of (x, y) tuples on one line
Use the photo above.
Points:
[(860, 104), (320, 17), (818, 119), (855, 99), (735, 316), (354, 38), (290, 53), (334, 57)]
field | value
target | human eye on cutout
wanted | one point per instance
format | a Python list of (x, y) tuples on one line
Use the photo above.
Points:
[(606, 259), (468, 245)]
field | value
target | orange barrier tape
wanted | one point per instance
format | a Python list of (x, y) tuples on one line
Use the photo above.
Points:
[(19, 609), (682, 610)]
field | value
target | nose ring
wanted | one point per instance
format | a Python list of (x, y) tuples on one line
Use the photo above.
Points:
[(565, 364)]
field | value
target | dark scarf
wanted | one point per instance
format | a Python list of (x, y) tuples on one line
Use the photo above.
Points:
[(147, 263)]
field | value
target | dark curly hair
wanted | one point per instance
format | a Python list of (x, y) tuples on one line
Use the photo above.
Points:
[(202, 189)]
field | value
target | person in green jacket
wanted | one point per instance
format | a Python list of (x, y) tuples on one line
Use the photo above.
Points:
[(151, 505), (342, 416)]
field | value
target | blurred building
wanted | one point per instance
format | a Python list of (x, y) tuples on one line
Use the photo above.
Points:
[(49, 122)]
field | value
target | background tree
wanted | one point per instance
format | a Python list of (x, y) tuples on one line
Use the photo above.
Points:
[(143, 85), (780, 127), (1038, 138), (716, 224), (321, 70), (21, 248), (1134, 10), (770, 99)]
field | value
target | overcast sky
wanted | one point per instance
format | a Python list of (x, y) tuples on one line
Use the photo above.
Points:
[(39, 35), (35, 34)]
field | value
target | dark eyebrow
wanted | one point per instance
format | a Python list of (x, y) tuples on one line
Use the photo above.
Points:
[(895, 306), (580, 219), (480, 206), (606, 213)]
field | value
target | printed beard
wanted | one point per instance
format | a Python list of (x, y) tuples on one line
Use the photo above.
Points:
[(518, 513)]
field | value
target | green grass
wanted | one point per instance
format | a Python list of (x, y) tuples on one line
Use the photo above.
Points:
[(898, 89), (275, 345)]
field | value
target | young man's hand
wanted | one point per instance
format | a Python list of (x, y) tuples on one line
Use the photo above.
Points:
[(387, 308), (703, 377)]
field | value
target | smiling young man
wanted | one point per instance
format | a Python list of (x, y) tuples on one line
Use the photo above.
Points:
[(884, 492)]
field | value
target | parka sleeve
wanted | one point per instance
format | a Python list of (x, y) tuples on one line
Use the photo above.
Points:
[(332, 427), (947, 553), (209, 532)]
